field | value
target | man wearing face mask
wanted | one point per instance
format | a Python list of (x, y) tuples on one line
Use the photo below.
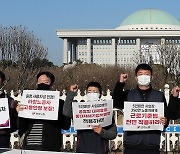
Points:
[(95, 140), (43, 135), (140, 142)]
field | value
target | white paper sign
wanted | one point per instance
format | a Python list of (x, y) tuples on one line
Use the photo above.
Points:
[(88, 114), (4, 113), (40, 104), (140, 116)]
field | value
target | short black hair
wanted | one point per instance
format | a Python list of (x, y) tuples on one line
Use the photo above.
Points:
[(143, 66), (48, 74), (95, 84), (2, 76)]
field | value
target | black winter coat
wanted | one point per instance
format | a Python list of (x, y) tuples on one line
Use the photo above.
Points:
[(174, 108), (5, 133)]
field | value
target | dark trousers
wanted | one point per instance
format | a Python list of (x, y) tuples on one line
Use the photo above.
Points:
[(4, 141)]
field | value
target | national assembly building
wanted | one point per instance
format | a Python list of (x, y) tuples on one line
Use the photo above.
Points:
[(141, 31)]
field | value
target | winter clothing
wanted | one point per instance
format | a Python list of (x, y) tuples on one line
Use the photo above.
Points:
[(174, 108), (5, 133), (139, 140), (88, 141)]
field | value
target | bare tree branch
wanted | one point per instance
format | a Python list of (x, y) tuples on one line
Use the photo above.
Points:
[(21, 47)]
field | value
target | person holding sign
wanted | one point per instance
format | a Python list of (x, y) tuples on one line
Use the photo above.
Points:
[(10, 110), (93, 140), (40, 134), (174, 104), (140, 142)]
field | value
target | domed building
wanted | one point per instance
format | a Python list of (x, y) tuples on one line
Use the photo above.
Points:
[(141, 31)]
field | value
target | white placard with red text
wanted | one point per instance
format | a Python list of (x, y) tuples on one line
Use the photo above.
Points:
[(140, 116), (88, 114), (4, 113), (40, 104)]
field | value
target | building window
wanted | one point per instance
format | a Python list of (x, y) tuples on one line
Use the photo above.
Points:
[(82, 42), (102, 41)]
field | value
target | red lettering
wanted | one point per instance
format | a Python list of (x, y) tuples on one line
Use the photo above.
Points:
[(134, 122), (29, 101), (146, 122), (128, 122), (155, 115), (132, 115), (39, 107), (43, 102), (138, 115)]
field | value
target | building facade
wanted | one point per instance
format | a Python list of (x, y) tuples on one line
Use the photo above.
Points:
[(141, 31)]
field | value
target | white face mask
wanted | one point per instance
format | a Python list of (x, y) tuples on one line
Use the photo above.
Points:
[(93, 96), (144, 80)]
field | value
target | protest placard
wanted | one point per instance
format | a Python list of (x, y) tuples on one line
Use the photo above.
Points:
[(4, 113), (88, 114), (140, 116), (40, 104)]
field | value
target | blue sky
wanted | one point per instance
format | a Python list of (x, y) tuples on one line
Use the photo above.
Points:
[(44, 17)]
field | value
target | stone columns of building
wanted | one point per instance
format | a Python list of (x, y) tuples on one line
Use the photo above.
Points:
[(113, 50), (67, 52), (89, 55), (138, 46), (74, 51)]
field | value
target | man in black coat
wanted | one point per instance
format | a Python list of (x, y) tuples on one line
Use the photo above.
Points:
[(174, 104), (43, 135), (140, 142)]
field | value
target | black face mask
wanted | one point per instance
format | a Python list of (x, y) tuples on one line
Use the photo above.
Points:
[(43, 86)]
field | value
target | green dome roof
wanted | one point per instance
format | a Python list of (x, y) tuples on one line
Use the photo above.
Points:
[(150, 16)]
